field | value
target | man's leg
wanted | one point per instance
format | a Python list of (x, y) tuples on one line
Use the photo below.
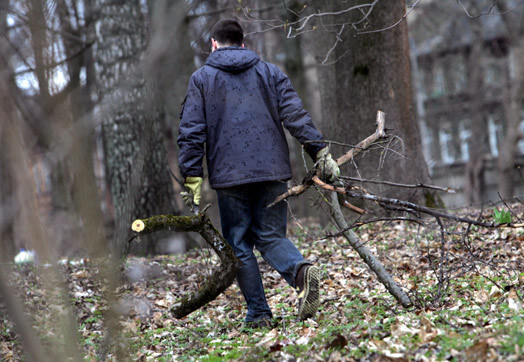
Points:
[(268, 230), (235, 216)]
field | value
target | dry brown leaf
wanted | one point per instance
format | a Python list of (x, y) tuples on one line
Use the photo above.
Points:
[(495, 292), (268, 339), (399, 328), (477, 352)]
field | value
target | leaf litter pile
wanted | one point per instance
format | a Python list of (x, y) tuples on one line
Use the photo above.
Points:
[(467, 289)]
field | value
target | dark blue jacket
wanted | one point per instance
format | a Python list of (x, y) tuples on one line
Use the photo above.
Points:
[(235, 107)]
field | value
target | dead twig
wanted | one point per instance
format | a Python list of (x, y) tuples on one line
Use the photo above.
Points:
[(396, 184)]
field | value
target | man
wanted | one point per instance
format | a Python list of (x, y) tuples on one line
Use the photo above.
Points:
[(234, 112)]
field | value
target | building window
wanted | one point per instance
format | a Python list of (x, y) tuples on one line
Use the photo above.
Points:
[(521, 129), (495, 133), (439, 82), (494, 69), (456, 74), (464, 135), (448, 144)]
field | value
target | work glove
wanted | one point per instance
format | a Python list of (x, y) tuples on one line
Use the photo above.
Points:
[(193, 190), (327, 166)]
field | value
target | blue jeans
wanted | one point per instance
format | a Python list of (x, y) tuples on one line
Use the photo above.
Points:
[(247, 223)]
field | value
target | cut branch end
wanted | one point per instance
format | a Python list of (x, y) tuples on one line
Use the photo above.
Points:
[(138, 226)]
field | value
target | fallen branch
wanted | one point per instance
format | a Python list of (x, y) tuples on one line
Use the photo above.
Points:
[(383, 276), (328, 187), (374, 264), (396, 184), (221, 278), (361, 146), (410, 206), (365, 144)]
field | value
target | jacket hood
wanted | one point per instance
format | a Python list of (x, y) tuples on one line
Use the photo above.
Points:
[(232, 59)]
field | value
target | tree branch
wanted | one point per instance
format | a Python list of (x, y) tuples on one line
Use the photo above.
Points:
[(361, 146), (391, 26), (374, 264), (220, 280), (389, 183), (406, 205)]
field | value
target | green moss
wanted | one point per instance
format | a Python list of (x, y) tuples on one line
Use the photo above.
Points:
[(434, 201)]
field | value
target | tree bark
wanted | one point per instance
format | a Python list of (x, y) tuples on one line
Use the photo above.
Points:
[(478, 143), (513, 102), (370, 72), (296, 71), (221, 278), (135, 154), (7, 244)]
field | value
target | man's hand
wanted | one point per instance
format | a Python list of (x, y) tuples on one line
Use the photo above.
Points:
[(328, 167), (193, 186)]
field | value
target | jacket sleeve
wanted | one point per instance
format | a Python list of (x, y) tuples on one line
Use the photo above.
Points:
[(192, 131), (295, 118)]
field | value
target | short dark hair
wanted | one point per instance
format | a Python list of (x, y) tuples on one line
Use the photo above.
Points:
[(228, 31)]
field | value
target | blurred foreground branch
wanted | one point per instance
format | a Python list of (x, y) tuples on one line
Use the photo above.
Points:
[(32, 346)]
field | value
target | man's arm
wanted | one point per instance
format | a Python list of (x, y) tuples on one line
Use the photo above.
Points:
[(192, 132), (295, 118)]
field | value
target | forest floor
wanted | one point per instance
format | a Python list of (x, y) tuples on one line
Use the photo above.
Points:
[(467, 290)]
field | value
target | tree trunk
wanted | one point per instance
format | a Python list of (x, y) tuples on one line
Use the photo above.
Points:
[(371, 72), (513, 102), (296, 71), (7, 244), (478, 143), (170, 62), (48, 132), (76, 112), (135, 154)]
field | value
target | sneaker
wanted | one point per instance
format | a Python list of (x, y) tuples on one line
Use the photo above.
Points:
[(308, 283), (260, 322)]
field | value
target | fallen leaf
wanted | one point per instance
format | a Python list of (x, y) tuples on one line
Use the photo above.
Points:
[(268, 339), (495, 292), (338, 342), (477, 352)]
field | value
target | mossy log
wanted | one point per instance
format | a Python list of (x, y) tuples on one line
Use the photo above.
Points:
[(221, 278)]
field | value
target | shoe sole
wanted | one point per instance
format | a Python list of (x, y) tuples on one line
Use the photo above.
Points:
[(311, 295)]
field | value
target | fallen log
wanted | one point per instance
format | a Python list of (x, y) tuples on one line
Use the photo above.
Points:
[(221, 278)]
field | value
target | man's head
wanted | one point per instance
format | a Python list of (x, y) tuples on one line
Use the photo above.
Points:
[(227, 32)]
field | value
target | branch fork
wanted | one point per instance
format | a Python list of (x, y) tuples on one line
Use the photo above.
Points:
[(221, 278)]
